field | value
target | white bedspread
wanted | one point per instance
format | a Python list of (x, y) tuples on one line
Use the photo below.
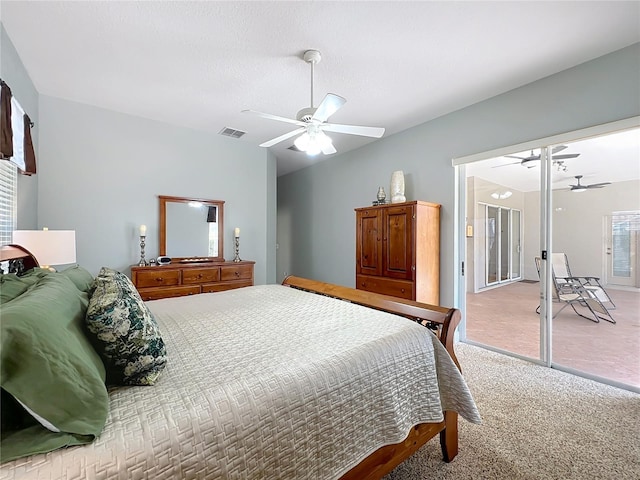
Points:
[(267, 382)]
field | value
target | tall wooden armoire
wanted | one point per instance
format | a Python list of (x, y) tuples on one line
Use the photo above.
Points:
[(398, 250)]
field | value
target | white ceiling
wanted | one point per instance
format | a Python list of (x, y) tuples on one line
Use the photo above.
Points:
[(607, 158), (398, 64)]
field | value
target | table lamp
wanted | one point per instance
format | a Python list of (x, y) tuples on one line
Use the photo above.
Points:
[(50, 247)]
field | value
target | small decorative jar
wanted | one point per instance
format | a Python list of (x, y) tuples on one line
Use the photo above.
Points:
[(381, 196)]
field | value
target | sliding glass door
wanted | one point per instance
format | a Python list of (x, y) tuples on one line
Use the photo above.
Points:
[(536, 212), (502, 244)]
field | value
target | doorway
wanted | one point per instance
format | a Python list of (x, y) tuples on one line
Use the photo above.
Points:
[(622, 230), (598, 227)]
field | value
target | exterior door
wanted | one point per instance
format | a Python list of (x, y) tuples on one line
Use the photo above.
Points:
[(622, 249)]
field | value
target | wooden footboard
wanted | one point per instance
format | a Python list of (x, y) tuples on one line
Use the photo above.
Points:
[(444, 321)]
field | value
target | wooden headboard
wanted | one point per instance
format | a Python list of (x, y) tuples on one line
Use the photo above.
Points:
[(20, 259)]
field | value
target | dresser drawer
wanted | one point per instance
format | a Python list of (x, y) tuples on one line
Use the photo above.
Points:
[(200, 275), (236, 272), (157, 278), (221, 287), (386, 286), (166, 292)]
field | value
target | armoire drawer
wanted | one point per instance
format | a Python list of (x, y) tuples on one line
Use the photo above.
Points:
[(386, 286)]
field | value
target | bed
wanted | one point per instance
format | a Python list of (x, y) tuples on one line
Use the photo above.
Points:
[(299, 380)]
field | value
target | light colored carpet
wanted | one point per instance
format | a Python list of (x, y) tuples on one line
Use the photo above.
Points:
[(538, 423)]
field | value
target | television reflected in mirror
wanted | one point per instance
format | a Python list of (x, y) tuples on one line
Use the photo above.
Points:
[(191, 229)]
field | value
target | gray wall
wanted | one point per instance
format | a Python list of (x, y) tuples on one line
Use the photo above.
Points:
[(100, 173), (13, 72), (316, 221)]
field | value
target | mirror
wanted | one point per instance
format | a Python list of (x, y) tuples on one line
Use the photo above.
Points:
[(191, 229)]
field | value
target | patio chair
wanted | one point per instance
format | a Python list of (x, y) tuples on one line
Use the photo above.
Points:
[(571, 291), (561, 269)]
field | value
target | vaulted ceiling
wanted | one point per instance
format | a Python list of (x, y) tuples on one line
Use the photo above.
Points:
[(398, 64)]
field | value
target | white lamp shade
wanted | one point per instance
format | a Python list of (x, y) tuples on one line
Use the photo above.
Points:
[(50, 247)]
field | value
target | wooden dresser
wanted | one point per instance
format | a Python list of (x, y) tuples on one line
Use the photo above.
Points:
[(398, 250), (178, 279)]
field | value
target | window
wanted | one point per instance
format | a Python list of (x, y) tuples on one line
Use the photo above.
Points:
[(8, 200), (9, 176)]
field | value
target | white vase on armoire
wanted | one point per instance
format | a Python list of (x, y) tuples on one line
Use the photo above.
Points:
[(397, 187)]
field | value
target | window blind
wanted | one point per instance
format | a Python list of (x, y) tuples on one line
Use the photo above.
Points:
[(8, 201)]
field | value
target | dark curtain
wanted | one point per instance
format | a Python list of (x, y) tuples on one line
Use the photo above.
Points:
[(29, 153), (6, 132)]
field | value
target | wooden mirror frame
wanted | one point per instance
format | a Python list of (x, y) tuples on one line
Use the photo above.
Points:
[(164, 199)]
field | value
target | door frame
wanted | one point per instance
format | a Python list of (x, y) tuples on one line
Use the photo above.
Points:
[(460, 200)]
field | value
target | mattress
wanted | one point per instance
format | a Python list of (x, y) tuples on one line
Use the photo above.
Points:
[(267, 382)]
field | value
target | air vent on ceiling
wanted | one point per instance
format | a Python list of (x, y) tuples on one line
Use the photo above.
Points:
[(231, 132)]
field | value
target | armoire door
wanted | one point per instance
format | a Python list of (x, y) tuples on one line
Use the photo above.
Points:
[(398, 242), (369, 242)]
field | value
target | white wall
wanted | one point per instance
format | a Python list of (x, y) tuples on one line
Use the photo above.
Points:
[(100, 173), (316, 221)]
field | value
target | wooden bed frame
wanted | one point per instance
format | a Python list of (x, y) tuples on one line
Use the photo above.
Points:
[(443, 320)]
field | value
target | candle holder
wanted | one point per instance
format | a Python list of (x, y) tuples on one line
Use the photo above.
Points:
[(237, 247), (142, 262)]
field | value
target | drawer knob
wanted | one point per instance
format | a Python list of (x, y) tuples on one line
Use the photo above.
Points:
[(199, 275), (237, 273), (402, 290), (159, 279)]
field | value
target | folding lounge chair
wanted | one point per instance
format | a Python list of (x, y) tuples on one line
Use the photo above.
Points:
[(571, 291), (561, 269)]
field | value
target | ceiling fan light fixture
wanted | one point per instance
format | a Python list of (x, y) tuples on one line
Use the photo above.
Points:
[(579, 189), (502, 195), (302, 142)]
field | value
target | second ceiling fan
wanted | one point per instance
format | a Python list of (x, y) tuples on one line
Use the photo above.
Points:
[(312, 122), (529, 161)]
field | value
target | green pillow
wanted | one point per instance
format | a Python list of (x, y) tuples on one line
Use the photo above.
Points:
[(50, 367), (81, 278), (124, 331)]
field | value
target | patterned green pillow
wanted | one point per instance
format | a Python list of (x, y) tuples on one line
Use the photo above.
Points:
[(124, 331)]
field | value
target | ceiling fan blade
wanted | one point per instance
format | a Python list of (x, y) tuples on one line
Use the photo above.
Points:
[(558, 148), (565, 155), (283, 137), (506, 164), (274, 117), (330, 105), (514, 156), (376, 132), (329, 149), (597, 185)]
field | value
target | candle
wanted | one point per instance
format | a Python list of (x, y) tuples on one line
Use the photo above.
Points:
[(236, 232), (143, 230)]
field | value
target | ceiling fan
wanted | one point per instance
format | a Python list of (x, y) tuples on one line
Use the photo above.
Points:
[(312, 121), (529, 161), (581, 188)]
